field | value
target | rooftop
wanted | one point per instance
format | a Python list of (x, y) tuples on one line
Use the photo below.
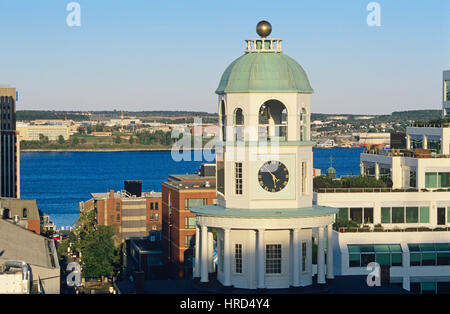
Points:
[(219, 211), (123, 194), (20, 244)]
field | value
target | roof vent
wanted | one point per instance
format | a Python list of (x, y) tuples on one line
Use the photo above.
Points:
[(16, 219), (207, 185)]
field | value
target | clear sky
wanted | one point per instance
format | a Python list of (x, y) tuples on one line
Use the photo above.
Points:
[(170, 55)]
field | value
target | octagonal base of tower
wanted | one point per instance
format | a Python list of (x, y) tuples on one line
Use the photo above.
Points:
[(264, 248)]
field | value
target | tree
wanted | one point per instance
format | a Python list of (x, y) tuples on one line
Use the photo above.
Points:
[(43, 138), (117, 140), (75, 140), (99, 253), (131, 140), (61, 139)]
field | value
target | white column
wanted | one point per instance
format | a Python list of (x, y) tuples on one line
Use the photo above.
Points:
[(330, 270), (296, 252), (361, 165), (197, 253), (210, 252), (261, 262), (425, 142), (377, 170), (320, 257), (204, 256), (408, 142), (226, 257)]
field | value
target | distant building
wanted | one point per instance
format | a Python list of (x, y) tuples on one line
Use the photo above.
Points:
[(367, 138), (28, 132), (25, 210), (9, 148), (101, 134), (179, 194), (35, 256), (132, 215)]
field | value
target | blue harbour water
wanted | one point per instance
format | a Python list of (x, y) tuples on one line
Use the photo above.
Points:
[(60, 180)]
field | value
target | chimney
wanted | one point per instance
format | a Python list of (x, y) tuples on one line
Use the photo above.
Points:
[(111, 194)]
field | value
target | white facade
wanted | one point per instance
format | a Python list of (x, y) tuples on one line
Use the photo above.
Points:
[(412, 217)]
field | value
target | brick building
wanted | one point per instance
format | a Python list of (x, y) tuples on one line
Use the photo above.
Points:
[(133, 214), (179, 193)]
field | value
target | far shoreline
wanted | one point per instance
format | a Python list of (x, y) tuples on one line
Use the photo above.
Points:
[(106, 150)]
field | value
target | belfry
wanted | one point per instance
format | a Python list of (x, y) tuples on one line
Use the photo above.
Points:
[(264, 216)]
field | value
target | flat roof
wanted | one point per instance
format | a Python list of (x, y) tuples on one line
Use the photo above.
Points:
[(20, 244), (120, 194), (220, 211)]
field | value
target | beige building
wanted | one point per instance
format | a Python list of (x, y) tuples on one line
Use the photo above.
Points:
[(28, 132)]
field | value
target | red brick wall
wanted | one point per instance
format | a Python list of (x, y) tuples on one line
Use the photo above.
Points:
[(35, 226), (176, 234)]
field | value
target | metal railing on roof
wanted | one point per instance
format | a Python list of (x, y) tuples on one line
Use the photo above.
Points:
[(375, 229)]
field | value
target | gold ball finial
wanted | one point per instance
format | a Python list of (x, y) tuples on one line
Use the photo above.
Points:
[(263, 29)]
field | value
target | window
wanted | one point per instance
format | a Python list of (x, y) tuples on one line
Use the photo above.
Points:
[(429, 254), (385, 174), (384, 254), (343, 214), (412, 179), (434, 146), (386, 215), (424, 214), (156, 205), (398, 214), (416, 143), (156, 216), (151, 205), (118, 217), (273, 259), (304, 177), (151, 216), (368, 215), (304, 257), (369, 171), (412, 214), (447, 90), (189, 222), (24, 213), (238, 177), (437, 179), (220, 175), (188, 241), (356, 215), (193, 202), (117, 206), (238, 258)]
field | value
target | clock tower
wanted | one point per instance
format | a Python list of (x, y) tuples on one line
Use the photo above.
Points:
[(264, 217), (264, 109)]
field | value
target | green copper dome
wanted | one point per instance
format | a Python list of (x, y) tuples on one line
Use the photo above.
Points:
[(264, 72)]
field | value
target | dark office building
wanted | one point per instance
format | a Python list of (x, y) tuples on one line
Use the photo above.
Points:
[(9, 146)]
